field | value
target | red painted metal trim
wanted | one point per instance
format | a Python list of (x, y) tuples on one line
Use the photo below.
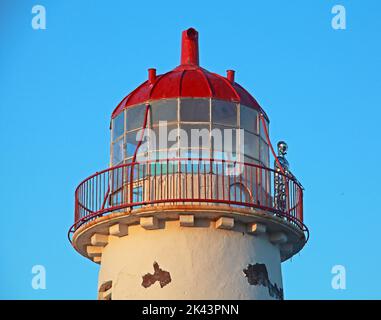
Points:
[(269, 142), (158, 78), (276, 158), (209, 86), (148, 106), (230, 86)]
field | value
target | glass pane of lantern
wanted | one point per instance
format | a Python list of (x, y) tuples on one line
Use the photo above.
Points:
[(164, 110), (142, 152), (248, 119), (230, 140), (118, 126), (166, 154), (194, 136), (224, 113), (264, 153), (194, 110), (135, 117), (132, 139), (166, 137), (263, 134), (195, 153), (117, 152), (252, 161), (224, 139), (251, 144)]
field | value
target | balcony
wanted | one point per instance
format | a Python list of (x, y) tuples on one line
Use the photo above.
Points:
[(192, 182)]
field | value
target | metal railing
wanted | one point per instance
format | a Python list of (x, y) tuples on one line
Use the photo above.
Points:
[(188, 181)]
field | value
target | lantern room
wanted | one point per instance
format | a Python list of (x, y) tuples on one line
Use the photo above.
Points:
[(185, 99)]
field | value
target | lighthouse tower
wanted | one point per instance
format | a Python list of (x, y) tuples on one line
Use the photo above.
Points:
[(171, 219)]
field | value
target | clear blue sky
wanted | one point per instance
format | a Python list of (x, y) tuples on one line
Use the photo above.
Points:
[(320, 87)]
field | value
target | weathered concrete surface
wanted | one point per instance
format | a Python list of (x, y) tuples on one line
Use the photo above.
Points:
[(200, 262)]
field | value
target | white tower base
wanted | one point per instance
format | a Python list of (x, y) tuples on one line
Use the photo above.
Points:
[(208, 254)]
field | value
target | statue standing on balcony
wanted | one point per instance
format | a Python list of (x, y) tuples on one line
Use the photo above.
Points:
[(280, 181)]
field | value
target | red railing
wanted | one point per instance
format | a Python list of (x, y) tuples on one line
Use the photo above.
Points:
[(189, 181)]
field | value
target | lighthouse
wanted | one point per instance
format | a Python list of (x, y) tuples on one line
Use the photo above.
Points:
[(191, 206)]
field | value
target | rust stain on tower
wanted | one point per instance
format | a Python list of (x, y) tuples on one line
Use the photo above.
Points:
[(257, 275), (163, 277)]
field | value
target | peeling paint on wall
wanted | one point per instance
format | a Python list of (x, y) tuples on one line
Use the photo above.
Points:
[(160, 275), (257, 275)]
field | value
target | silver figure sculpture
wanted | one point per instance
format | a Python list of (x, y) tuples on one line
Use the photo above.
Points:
[(281, 180)]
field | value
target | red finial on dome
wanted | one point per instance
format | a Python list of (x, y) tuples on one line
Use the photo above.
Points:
[(230, 75), (188, 80), (189, 47), (151, 75)]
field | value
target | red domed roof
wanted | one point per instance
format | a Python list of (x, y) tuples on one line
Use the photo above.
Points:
[(188, 80)]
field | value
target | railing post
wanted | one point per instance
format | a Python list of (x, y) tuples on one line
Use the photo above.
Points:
[(301, 204), (131, 183)]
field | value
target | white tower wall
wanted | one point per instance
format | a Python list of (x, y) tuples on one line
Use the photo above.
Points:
[(203, 262), (189, 252)]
